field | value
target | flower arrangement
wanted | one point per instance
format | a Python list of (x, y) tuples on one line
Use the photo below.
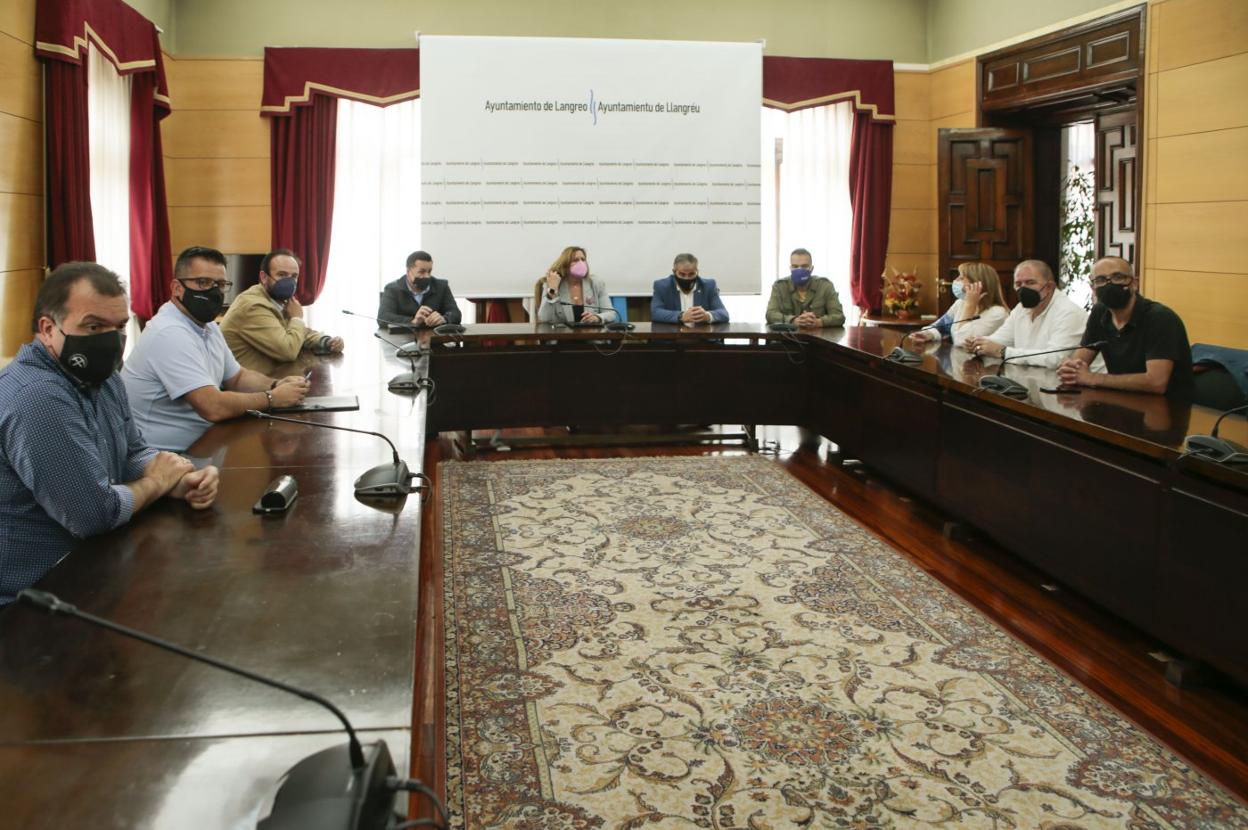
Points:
[(901, 292)]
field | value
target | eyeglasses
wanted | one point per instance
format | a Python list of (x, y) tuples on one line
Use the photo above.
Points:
[(205, 283), (1117, 278)]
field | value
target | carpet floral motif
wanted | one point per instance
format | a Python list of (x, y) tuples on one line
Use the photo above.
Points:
[(704, 643)]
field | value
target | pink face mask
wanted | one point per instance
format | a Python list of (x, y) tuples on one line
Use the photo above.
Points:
[(578, 269)]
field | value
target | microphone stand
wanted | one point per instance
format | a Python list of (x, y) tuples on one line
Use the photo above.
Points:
[(393, 479), (319, 791), (1013, 389), (900, 355), (1220, 450), (393, 328), (405, 381)]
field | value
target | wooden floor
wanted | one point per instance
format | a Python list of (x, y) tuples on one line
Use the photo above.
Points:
[(1207, 725)]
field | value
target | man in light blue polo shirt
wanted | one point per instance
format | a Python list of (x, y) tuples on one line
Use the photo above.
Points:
[(181, 377)]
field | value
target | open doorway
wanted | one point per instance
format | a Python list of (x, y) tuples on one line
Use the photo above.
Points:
[(1053, 171)]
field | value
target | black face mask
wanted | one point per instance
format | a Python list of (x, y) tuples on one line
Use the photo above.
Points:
[(91, 359), (204, 305), (420, 284), (1028, 297), (1114, 296), (685, 285)]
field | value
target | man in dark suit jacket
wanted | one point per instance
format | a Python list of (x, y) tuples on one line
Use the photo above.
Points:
[(418, 298), (686, 298)]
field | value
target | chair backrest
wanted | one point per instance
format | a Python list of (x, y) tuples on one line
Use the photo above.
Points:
[(1221, 375)]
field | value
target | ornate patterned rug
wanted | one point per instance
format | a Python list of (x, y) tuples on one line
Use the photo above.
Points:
[(704, 642)]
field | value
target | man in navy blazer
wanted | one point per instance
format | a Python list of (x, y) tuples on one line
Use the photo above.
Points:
[(418, 298), (686, 298)]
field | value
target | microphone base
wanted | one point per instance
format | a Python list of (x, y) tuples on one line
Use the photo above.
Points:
[(1004, 386), (407, 382), (323, 792), (620, 327), (781, 327), (385, 481), (900, 355), (1218, 450)]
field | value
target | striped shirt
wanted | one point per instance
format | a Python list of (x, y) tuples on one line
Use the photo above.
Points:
[(66, 453)]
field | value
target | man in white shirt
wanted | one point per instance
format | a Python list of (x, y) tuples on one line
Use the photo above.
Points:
[(1044, 319)]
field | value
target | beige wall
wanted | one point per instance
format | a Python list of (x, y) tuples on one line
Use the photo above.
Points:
[(1196, 166), (961, 27), (894, 29), (925, 103), (21, 173)]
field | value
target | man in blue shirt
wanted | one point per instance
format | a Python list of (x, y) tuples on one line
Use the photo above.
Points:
[(72, 462), (686, 298), (181, 377)]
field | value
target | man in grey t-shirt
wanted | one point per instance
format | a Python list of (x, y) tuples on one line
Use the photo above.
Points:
[(181, 377)]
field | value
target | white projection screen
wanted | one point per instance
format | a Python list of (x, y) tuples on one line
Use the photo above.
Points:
[(634, 150)]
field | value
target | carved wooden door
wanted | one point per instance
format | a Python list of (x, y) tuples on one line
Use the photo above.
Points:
[(986, 203), (1117, 196)]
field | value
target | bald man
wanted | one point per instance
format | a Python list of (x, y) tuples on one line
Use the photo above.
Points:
[(1146, 348)]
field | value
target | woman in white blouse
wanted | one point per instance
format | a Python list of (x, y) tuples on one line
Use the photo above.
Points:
[(978, 293)]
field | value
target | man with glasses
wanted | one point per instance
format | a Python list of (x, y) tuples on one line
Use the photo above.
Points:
[(1146, 348), (181, 377), (264, 327)]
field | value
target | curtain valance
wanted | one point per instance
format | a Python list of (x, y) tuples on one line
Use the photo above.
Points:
[(127, 38), (374, 76), (797, 83)]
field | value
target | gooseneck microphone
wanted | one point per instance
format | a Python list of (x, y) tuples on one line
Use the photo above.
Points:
[(614, 326), (319, 791), (1013, 389), (395, 328), (900, 355), (385, 480), (407, 381), (1213, 448)]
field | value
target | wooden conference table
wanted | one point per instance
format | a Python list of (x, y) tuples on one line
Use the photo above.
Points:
[(102, 731)]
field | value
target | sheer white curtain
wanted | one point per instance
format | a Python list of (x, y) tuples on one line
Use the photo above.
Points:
[(108, 119), (814, 199), (108, 127), (376, 207), (377, 204)]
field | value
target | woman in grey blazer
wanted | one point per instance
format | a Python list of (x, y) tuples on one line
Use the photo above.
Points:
[(572, 295)]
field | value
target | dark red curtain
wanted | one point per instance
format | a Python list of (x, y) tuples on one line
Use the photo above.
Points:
[(293, 76), (798, 83), (301, 91), (302, 185), (132, 44), (870, 198), (71, 232), (151, 253)]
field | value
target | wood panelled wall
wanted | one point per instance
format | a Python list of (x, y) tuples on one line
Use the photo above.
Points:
[(21, 174), (925, 103), (217, 156), (1195, 256)]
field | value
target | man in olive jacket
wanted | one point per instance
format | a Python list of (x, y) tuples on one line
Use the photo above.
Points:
[(804, 299), (264, 327)]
